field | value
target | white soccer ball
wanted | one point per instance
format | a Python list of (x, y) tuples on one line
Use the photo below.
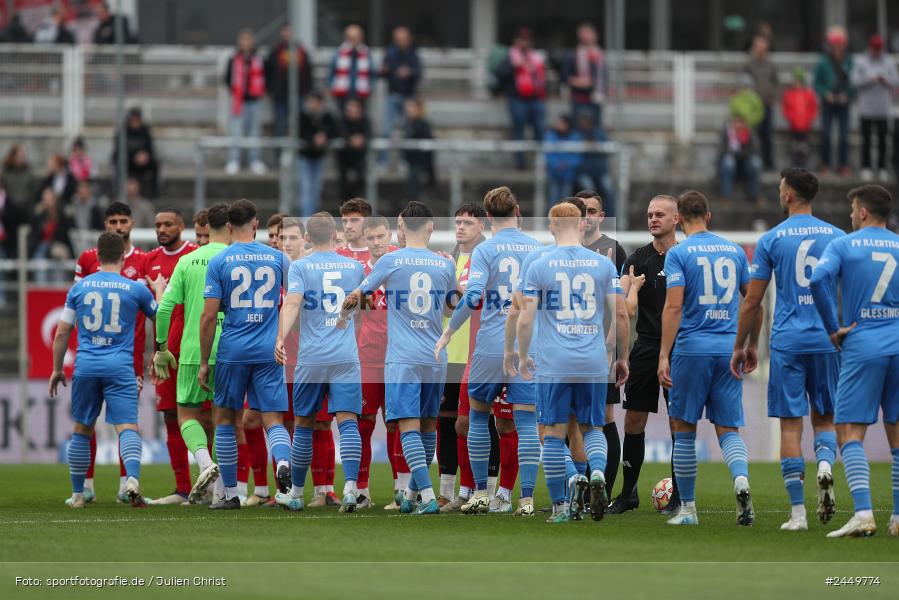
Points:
[(661, 494)]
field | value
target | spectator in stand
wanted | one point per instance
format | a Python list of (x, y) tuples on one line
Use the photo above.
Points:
[(523, 75), (245, 80), (800, 107), (587, 74), (15, 32), (277, 78), (402, 70), (141, 157), (355, 131), (59, 178), (8, 222), (833, 85), (562, 166), (593, 173), (764, 80), (19, 182), (104, 34), (317, 129), (49, 237), (874, 76), (85, 210), (420, 162), (739, 159), (53, 30), (143, 213), (80, 164), (352, 71)]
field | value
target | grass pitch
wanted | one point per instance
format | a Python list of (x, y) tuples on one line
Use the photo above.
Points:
[(320, 553)]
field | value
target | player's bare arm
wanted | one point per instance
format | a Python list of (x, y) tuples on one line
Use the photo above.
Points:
[(622, 339), (207, 336), (745, 358), (631, 285), (510, 331), (350, 304), (671, 317), (525, 332), (60, 345), (289, 320)]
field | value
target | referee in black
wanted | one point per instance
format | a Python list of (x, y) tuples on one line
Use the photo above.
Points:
[(643, 283)]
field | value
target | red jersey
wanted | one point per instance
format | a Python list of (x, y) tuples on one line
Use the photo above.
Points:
[(362, 255), (162, 262), (88, 264), (371, 335)]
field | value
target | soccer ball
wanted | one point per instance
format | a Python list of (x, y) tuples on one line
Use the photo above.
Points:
[(661, 494)]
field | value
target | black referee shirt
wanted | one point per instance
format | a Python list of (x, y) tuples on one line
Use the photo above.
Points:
[(646, 260)]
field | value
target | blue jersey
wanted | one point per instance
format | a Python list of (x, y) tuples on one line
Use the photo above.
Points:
[(324, 279), (790, 251), (416, 284), (528, 261), (572, 285), (104, 307), (711, 270), (865, 262), (495, 272), (247, 278)]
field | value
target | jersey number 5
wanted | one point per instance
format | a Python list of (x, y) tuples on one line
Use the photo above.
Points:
[(242, 274)]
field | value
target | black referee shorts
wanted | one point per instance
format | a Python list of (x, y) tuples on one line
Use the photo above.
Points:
[(451, 389), (641, 392)]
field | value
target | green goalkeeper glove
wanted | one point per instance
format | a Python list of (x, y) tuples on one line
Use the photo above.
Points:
[(163, 360)]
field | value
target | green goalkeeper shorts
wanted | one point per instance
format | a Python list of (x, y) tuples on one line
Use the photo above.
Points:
[(189, 392)]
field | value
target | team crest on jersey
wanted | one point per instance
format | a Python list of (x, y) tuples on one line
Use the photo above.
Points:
[(130, 272)]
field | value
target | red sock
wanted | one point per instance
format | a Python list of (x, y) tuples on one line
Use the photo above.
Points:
[(243, 463), (391, 442), (319, 457), (508, 459), (466, 477), (122, 471), (332, 459), (90, 469), (366, 429), (178, 457), (258, 455), (398, 456)]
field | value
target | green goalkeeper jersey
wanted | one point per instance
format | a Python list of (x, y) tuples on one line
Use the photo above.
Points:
[(186, 287)]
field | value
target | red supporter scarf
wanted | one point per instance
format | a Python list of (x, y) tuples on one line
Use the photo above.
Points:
[(530, 73), (239, 79), (340, 87)]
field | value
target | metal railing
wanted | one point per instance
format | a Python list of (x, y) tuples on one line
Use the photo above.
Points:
[(74, 86)]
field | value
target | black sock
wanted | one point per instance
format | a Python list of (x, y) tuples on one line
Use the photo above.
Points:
[(675, 496), (614, 443), (447, 457), (633, 451), (493, 465)]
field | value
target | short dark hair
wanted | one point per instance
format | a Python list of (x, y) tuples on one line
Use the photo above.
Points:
[(241, 212), (500, 202), (575, 201), (692, 205), (275, 220), (201, 219), (416, 215), (173, 210), (801, 181), (110, 248), (217, 215), (290, 222), (376, 221), (355, 205), (587, 194), (876, 199), (320, 228), (117, 208), (470, 208)]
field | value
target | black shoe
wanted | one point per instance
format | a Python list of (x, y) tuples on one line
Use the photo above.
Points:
[(623, 504), (671, 509), (232, 503), (600, 500), (284, 482)]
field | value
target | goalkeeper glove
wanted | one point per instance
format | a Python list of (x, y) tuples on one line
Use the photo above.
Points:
[(163, 360)]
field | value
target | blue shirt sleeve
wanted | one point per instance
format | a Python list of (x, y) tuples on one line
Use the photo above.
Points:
[(146, 301), (379, 273), (478, 273), (761, 260), (213, 280), (823, 278), (744, 268), (674, 270), (295, 283), (531, 285)]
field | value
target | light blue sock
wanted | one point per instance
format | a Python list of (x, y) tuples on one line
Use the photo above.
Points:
[(131, 448), (78, 455), (554, 467), (597, 449), (350, 448), (858, 473), (278, 443), (826, 447), (895, 478), (479, 446), (580, 467), (528, 450), (226, 452), (684, 456), (570, 467), (429, 441), (414, 452), (301, 455), (735, 454), (793, 471)]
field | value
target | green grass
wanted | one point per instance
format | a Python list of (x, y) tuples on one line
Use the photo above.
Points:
[(527, 554)]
